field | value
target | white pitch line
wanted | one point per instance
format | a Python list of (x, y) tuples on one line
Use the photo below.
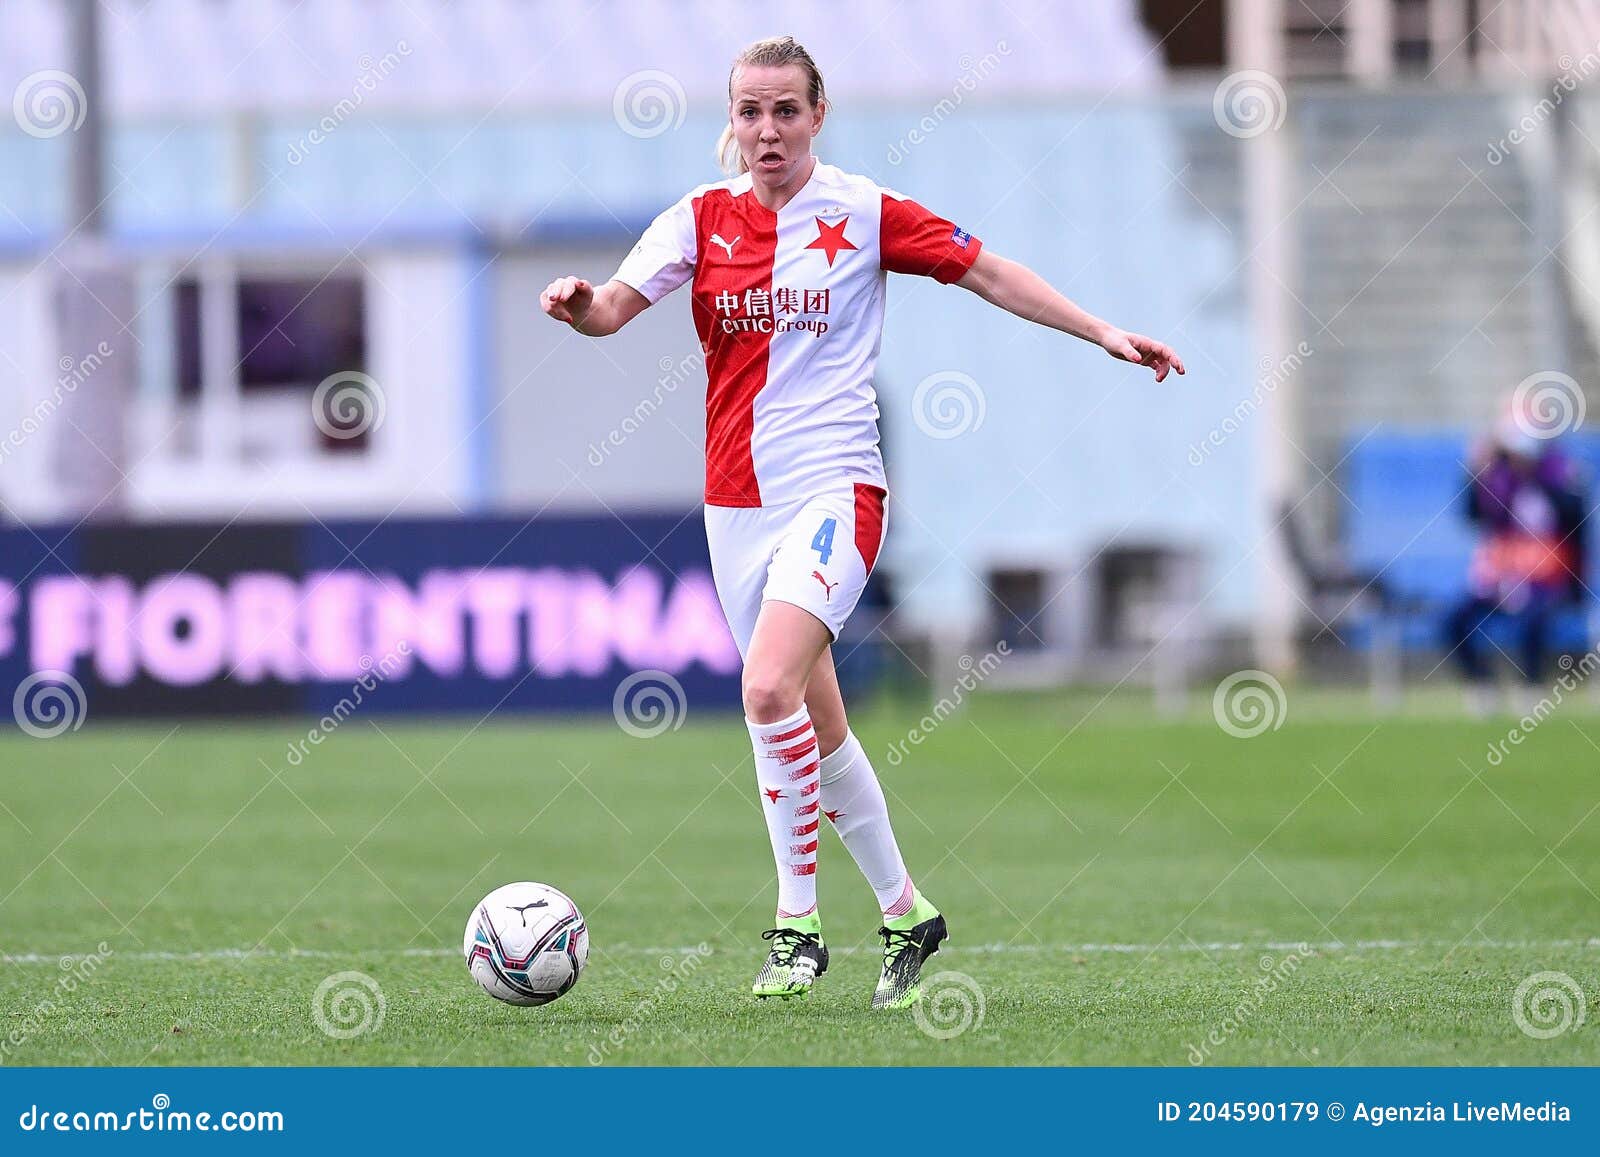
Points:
[(66, 959)]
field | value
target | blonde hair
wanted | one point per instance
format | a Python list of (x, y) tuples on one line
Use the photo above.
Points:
[(774, 52)]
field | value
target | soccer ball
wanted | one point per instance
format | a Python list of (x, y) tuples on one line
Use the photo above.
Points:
[(526, 943)]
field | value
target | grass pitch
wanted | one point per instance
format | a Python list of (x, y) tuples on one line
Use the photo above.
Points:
[(1119, 891)]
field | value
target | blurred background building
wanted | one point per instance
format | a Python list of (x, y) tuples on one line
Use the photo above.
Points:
[(276, 398)]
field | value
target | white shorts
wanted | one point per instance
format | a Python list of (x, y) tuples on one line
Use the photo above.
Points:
[(814, 554)]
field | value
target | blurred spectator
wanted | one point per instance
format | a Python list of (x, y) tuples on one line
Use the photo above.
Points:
[(1527, 499)]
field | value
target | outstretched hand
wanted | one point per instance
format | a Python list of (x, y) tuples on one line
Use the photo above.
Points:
[(1141, 350), (567, 299)]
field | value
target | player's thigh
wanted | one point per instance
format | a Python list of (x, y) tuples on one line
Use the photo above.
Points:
[(784, 650)]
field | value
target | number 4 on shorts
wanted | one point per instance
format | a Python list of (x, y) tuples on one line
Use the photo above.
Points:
[(823, 543)]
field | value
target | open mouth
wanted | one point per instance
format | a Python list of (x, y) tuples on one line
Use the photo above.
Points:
[(769, 159)]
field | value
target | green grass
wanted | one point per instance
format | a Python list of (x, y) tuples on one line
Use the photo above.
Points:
[(1108, 913)]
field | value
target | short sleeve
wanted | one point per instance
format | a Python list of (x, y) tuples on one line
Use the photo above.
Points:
[(664, 257), (912, 239)]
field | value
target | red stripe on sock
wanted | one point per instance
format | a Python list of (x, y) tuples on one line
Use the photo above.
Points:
[(796, 753), (802, 849), (801, 773), (804, 869), (809, 809), (782, 915), (903, 905), (785, 736), (807, 829), (811, 788)]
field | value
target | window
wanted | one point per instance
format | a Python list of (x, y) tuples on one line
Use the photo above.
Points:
[(281, 336)]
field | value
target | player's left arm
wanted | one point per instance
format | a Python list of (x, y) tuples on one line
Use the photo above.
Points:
[(1019, 290)]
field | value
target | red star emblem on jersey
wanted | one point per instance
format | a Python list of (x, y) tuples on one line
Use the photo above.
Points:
[(772, 793), (831, 238), (833, 816)]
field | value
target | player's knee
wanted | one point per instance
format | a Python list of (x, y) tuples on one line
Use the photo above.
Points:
[(769, 698)]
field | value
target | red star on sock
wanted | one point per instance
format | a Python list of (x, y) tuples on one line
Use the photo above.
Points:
[(831, 238), (772, 793), (833, 817)]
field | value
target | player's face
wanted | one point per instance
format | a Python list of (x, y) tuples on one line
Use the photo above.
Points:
[(773, 121)]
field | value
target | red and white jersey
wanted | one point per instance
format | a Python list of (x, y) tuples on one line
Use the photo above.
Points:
[(789, 308)]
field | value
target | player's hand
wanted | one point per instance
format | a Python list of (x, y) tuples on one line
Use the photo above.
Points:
[(567, 299), (1141, 350)]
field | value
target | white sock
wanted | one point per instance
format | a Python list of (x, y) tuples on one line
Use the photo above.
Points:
[(853, 800), (787, 773)]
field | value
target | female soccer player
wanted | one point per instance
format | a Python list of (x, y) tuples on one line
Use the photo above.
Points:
[(788, 261)]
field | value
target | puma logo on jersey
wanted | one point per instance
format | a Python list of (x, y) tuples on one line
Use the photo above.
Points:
[(826, 585), (716, 239)]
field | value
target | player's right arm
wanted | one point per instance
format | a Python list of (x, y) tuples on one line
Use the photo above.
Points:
[(594, 311), (663, 260)]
